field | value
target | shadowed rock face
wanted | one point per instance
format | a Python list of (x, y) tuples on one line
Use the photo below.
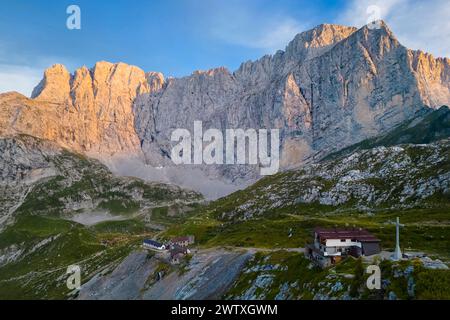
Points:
[(333, 86)]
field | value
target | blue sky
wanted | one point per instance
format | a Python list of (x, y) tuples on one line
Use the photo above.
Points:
[(177, 37)]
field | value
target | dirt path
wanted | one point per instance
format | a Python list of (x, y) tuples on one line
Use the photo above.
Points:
[(255, 249)]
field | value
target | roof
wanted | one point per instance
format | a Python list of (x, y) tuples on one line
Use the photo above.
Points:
[(354, 233), (178, 251), (181, 239), (153, 243)]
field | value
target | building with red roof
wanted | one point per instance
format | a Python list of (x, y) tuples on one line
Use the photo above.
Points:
[(330, 245)]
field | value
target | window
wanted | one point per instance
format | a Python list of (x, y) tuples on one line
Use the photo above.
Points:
[(343, 240)]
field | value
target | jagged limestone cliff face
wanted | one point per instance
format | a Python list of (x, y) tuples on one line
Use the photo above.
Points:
[(432, 76), (333, 86), (89, 111)]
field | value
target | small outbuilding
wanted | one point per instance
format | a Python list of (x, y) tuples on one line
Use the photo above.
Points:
[(177, 253), (152, 244), (182, 241)]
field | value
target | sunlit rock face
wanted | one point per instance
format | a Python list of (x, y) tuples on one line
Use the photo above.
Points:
[(89, 111), (332, 86)]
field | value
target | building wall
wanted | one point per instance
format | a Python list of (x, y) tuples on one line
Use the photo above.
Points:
[(339, 243), (147, 245), (334, 247), (371, 248)]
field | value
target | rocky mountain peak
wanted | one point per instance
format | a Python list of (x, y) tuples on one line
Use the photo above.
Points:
[(380, 37), (93, 107), (155, 81), (316, 41), (212, 72), (432, 76), (55, 86)]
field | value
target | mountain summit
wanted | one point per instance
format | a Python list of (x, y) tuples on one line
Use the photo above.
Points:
[(314, 42)]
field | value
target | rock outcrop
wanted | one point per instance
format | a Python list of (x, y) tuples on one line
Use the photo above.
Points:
[(63, 183)]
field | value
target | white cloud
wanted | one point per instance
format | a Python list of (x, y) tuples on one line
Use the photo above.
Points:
[(19, 78), (270, 37), (247, 24), (417, 24)]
